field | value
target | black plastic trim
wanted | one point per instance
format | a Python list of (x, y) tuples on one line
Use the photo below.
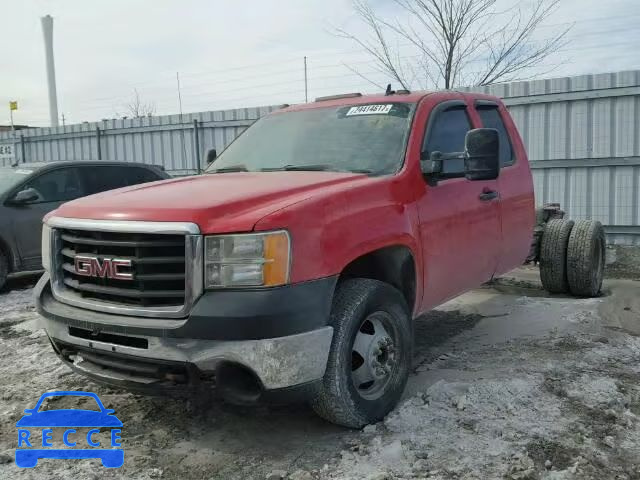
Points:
[(486, 103), (248, 314)]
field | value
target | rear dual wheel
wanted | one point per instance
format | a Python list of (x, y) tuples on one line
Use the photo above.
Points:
[(370, 354), (585, 258), (572, 257), (553, 255)]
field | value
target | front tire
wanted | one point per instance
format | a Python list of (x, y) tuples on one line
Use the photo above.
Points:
[(370, 354), (4, 268)]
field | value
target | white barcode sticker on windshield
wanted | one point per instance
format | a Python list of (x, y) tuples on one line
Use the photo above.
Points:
[(369, 110)]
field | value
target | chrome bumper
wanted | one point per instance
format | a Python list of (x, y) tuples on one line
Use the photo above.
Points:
[(278, 362)]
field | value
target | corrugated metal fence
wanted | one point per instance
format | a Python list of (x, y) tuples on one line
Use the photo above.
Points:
[(582, 135), (179, 142)]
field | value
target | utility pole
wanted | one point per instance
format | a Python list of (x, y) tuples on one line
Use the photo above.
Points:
[(306, 87), (47, 30), (63, 124), (179, 94), (184, 147)]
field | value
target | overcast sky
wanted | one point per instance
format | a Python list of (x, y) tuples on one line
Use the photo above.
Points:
[(236, 54)]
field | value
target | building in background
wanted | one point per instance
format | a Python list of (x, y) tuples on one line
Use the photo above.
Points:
[(7, 128)]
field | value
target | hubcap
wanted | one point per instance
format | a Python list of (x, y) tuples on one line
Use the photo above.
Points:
[(374, 356)]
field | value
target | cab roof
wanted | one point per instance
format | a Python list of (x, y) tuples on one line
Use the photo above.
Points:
[(58, 163), (356, 99)]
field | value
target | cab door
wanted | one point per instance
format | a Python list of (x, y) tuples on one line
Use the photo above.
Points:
[(460, 225), (517, 208)]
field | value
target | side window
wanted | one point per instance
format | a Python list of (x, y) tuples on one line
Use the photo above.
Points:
[(100, 179), (59, 185), (447, 135), (491, 119)]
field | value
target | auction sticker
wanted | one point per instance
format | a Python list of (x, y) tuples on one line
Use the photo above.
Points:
[(370, 110)]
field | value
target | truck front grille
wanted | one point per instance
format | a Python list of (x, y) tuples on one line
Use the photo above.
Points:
[(157, 267)]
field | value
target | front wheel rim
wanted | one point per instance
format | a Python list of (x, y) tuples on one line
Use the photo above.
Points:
[(375, 356)]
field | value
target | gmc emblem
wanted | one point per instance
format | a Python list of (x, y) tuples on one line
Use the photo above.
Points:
[(108, 268)]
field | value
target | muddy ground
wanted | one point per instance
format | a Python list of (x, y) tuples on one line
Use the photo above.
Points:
[(508, 382)]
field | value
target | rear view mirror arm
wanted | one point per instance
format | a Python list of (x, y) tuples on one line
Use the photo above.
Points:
[(432, 168)]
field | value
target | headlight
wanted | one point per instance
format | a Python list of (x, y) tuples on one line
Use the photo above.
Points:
[(46, 247), (247, 260)]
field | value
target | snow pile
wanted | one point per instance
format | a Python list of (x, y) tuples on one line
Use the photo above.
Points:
[(480, 424)]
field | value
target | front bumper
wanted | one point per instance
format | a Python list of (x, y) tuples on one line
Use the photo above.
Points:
[(120, 350)]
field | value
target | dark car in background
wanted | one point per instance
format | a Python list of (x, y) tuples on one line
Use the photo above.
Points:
[(29, 191)]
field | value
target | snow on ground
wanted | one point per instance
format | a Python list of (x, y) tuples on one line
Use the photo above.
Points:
[(507, 383)]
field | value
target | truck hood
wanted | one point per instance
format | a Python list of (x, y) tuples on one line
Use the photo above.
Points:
[(217, 203)]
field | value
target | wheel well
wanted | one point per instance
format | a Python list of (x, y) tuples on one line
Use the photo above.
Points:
[(394, 265)]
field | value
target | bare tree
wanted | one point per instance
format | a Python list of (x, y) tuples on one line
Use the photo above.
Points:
[(456, 42), (136, 108)]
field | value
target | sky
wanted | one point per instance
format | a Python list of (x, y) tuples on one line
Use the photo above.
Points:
[(231, 54)]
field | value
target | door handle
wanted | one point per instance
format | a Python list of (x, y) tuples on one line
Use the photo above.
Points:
[(487, 196)]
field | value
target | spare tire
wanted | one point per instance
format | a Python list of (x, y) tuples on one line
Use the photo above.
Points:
[(585, 258), (553, 255)]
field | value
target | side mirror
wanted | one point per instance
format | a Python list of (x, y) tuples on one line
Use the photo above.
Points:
[(482, 154), (25, 196), (211, 156)]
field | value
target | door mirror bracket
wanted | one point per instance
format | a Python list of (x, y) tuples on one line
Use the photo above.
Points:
[(432, 168), (212, 154)]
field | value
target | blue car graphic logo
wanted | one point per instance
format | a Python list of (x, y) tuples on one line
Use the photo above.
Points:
[(30, 439)]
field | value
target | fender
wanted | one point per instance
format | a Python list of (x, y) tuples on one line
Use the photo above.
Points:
[(332, 229)]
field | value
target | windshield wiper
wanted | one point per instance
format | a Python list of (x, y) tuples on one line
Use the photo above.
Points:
[(292, 168), (232, 168), (315, 168)]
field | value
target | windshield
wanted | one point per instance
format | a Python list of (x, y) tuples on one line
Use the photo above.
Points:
[(10, 177), (363, 138)]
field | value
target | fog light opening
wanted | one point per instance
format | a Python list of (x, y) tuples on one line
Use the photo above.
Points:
[(238, 384)]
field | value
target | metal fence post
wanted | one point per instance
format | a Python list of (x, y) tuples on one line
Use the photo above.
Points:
[(196, 145), (99, 148), (24, 160)]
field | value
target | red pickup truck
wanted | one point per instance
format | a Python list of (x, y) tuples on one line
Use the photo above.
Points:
[(294, 266)]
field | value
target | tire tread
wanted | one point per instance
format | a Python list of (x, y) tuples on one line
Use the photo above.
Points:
[(580, 259), (553, 255), (4, 268)]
